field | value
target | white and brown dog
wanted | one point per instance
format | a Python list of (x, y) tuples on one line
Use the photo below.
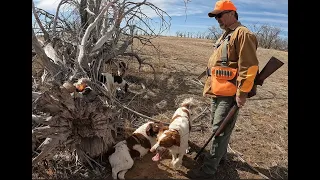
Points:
[(175, 138), (112, 83), (135, 146)]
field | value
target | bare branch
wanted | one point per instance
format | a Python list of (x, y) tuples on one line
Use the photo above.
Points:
[(251, 167), (83, 14), (52, 68), (46, 35), (48, 146), (50, 52), (134, 7), (35, 95), (90, 12), (108, 35), (56, 17), (38, 119), (138, 59), (87, 33), (106, 22), (142, 115)]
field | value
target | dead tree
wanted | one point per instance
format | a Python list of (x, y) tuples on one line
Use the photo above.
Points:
[(76, 44), (269, 36), (215, 32)]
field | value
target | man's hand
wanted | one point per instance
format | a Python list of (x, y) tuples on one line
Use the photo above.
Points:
[(241, 101)]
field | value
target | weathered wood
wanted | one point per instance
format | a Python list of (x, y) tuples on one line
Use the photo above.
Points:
[(46, 35), (35, 95), (49, 66), (47, 146), (38, 119), (75, 118), (86, 122)]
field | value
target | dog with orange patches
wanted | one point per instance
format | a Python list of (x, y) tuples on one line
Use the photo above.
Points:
[(175, 137), (138, 144)]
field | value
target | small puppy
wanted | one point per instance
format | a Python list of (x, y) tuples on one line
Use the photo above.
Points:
[(176, 137), (135, 146)]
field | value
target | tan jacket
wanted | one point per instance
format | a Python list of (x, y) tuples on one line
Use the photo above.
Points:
[(241, 54)]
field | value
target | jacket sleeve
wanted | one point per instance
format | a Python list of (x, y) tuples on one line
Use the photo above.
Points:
[(248, 63)]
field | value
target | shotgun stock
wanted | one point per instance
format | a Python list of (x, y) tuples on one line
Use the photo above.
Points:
[(272, 65)]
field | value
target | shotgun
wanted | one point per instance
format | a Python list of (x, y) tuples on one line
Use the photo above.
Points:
[(272, 65)]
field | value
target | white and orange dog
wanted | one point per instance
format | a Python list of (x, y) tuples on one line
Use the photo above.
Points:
[(135, 146), (175, 137), (110, 81)]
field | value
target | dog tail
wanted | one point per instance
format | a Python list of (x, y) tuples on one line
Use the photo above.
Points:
[(188, 102)]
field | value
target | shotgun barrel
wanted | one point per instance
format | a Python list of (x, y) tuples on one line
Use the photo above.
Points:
[(220, 128)]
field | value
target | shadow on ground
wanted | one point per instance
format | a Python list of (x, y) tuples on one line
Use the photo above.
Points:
[(229, 170)]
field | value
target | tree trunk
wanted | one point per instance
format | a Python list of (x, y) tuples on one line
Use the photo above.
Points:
[(76, 121)]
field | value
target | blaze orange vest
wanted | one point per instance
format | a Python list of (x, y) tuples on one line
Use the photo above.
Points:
[(223, 78)]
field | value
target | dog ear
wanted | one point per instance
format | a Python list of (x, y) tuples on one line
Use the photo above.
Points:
[(149, 127), (117, 79), (176, 138)]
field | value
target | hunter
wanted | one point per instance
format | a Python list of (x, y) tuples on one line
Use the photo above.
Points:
[(231, 71)]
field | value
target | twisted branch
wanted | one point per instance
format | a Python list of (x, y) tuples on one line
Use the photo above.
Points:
[(45, 33)]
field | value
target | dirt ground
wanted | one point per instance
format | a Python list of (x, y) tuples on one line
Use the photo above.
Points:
[(260, 138)]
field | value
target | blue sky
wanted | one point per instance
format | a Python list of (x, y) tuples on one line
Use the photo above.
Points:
[(195, 18)]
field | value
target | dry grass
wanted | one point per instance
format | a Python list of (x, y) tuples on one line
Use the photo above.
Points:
[(261, 132)]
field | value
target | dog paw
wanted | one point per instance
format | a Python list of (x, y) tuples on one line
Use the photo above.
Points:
[(176, 164)]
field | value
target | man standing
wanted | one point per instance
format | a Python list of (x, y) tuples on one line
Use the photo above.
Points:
[(231, 71)]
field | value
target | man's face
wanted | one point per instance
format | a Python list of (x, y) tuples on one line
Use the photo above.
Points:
[(223, 19)]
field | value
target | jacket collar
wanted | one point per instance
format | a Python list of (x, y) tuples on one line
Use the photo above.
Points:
[(233, 26)]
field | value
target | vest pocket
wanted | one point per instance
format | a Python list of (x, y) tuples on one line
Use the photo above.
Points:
[(220, 81)]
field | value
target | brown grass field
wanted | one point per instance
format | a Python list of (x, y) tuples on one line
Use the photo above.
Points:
[(260, 138)]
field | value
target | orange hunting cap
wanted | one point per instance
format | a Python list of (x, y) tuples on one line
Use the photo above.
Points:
[(222, 5)]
